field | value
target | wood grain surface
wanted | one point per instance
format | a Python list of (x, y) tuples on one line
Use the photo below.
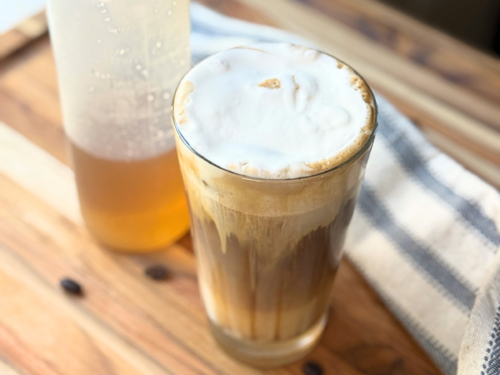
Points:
[(24, 33), (128, 324)]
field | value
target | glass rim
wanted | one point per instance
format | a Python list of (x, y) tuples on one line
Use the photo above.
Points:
[(362, 150)]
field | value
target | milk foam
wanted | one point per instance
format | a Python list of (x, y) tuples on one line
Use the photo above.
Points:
[(274, 110)]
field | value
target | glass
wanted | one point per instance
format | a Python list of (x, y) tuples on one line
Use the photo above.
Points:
[(119, 62), (268, 251)]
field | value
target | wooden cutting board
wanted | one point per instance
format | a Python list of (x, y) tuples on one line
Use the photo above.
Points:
[(127, 323)]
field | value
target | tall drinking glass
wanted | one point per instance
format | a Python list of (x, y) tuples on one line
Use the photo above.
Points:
[(268, 249), (118, 64)]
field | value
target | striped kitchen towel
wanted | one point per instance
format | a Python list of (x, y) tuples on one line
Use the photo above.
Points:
[(425, 231), (424, 236)]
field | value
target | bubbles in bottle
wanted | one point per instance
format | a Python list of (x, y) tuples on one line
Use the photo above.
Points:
[(140, 87)]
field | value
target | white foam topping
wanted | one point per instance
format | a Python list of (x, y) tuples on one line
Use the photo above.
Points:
[(272, 110)]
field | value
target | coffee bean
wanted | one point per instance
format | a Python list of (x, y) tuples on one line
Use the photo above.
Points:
[(71, 286), (157, 272), (312, 368)]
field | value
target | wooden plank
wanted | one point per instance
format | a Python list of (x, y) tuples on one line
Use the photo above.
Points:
[(20, 157), (20, 116), (8, 369), (121, 307), (431, 124), (24, 33), (29, 97), (238, 10), (423, 45), (37, 322), (483, 168), (392, 19)]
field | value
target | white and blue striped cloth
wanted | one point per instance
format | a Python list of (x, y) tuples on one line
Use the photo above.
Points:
[(425, 231)]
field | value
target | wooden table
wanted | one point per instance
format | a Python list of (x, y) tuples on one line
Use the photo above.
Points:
[(129, 324)]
